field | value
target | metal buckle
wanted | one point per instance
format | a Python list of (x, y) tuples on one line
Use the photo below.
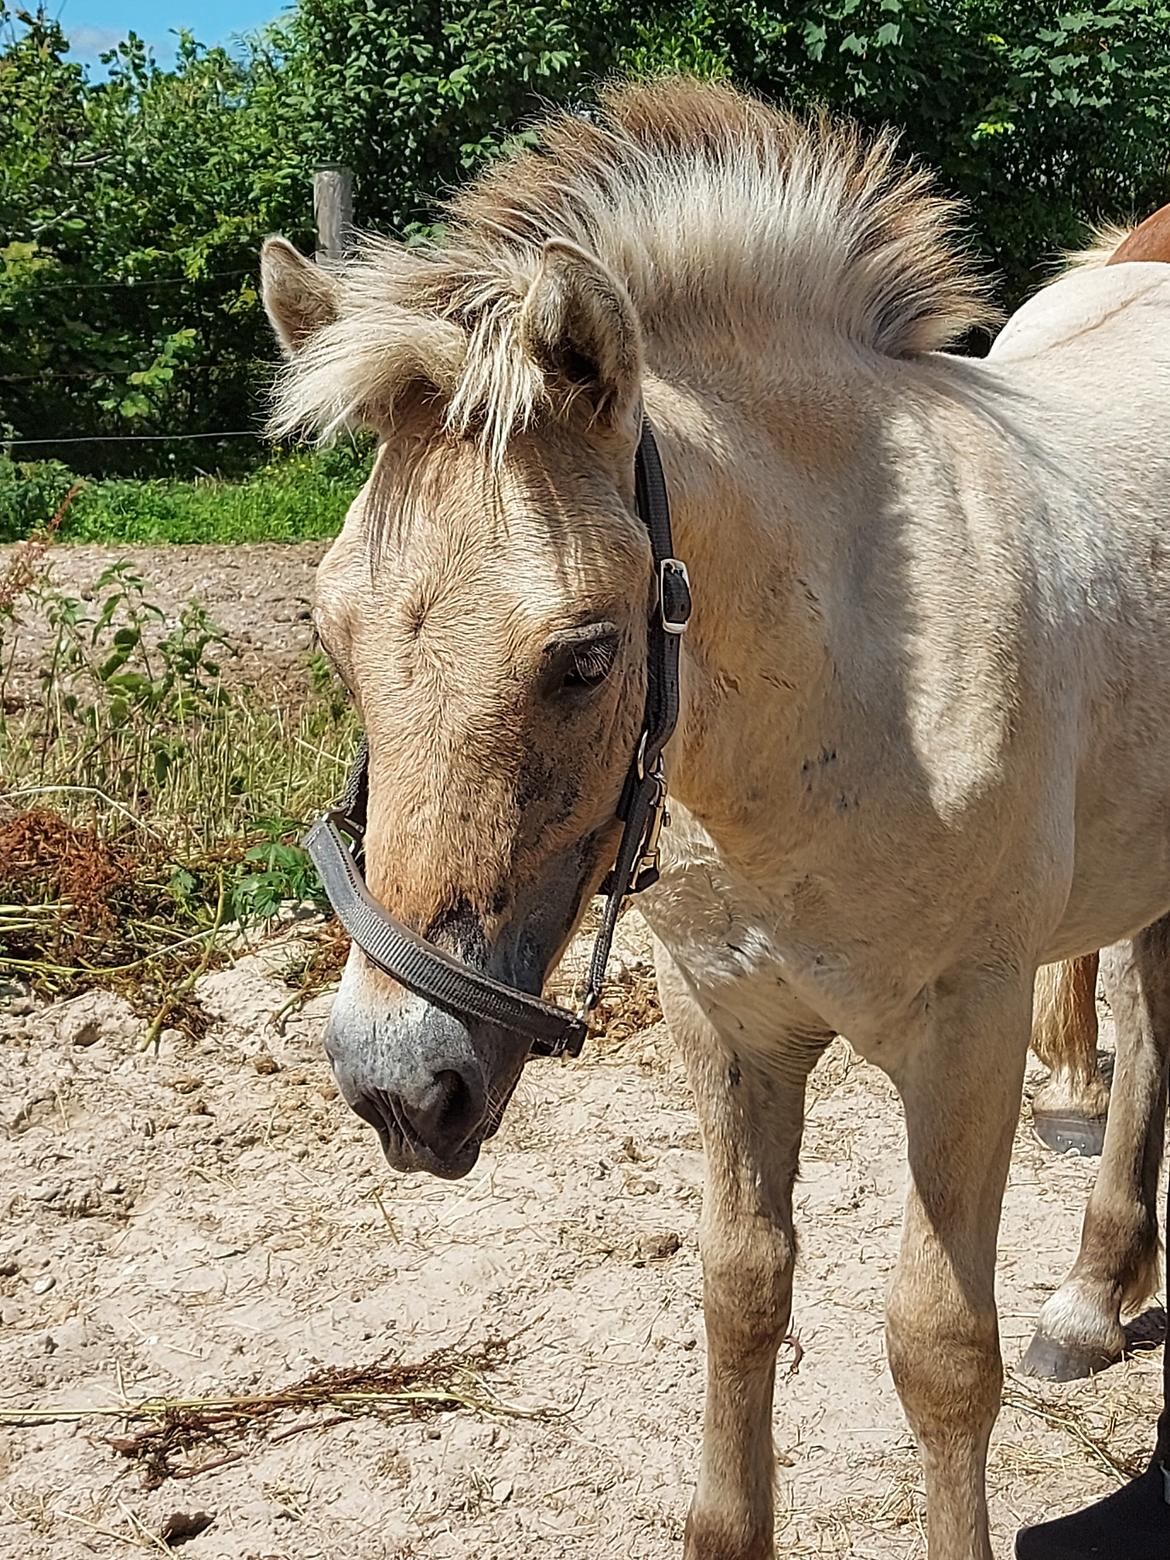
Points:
[(649, 862), (676, 569), (640, 756), (346, 826), (589, 1000)]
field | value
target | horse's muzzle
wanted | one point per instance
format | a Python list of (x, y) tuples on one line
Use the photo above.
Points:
[(421, 1088)]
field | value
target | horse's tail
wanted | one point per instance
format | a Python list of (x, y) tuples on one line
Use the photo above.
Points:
[(1107, 239), (1064, 1025)]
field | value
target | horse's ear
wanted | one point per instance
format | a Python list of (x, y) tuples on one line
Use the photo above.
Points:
[(579, 324), (299, 297)]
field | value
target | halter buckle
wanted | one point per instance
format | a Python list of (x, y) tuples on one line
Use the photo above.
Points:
[(647, 868), (674, 596)]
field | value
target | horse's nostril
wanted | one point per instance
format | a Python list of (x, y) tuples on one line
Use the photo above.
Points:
[(445, 1115), (373, 1112)]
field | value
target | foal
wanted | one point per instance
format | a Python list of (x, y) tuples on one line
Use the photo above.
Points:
[(925, 728)]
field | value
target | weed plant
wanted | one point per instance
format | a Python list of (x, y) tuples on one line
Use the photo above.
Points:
[(146, 799)]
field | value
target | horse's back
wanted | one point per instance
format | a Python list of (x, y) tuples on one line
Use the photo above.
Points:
[(1107, 303), (1083, 375)]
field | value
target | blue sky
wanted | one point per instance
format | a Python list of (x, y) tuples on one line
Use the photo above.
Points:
[(94, 25)]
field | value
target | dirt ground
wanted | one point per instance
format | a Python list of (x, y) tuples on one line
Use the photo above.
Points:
[(259, 593), (213, 1220)]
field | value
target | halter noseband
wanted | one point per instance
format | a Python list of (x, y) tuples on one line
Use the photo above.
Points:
[(437, 976)]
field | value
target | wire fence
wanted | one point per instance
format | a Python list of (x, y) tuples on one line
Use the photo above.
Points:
[(132, 438), (89, 376), (85, 375), (145, 281)]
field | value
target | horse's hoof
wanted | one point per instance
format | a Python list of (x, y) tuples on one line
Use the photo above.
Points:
[(1066, 1131), (1053, 1361)]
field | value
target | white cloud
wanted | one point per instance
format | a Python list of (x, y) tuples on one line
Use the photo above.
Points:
[(89, 42)]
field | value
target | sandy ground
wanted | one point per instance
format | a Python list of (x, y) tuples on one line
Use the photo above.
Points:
[(212, 1219)]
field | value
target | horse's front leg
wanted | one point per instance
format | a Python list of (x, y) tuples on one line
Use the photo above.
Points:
[(749, 1094), (961, 1079)]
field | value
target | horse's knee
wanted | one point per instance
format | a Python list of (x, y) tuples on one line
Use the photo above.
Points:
[(747, 1293), (946, 1366)]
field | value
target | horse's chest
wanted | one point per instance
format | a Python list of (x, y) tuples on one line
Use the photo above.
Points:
[(746, 952)]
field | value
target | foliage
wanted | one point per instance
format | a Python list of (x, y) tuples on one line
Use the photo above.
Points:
[(132, 207), (277, 871), (131, 210), (416, 94), (138, 708), (147, 796), (1040, 119)]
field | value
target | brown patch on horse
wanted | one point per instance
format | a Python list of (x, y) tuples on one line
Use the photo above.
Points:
[(1150, 241)]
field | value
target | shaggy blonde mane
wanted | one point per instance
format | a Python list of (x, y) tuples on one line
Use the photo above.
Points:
[(720, 216), (1105, 239)]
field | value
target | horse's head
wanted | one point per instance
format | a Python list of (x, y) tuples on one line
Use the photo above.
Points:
[(486, 604)]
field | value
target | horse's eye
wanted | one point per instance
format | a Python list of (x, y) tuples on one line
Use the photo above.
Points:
[(590, 667), (580, 661)]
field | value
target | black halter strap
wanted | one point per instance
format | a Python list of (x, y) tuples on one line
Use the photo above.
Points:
[(438, 977)]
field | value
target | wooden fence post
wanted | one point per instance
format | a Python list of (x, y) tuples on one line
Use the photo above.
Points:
[(332, 211)]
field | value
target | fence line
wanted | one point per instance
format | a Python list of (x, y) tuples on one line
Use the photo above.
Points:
[(160, 281), (111, 373), (133, 438)]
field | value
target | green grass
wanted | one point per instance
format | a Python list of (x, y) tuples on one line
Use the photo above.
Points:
[(296, 498)]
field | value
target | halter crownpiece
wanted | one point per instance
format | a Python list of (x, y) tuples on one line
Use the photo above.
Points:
[(437, 976)]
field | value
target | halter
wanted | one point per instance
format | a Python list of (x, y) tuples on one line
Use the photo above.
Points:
[(447, 982)]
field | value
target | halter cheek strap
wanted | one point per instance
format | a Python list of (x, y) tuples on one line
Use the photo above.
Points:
[(437, 976)]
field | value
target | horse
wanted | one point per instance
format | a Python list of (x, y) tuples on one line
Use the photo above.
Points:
[(1079, 1330), (923, 725)]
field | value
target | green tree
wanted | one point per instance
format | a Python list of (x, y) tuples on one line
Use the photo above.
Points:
[(132, 208), (415, 94), (1041, 119), (131, 211)]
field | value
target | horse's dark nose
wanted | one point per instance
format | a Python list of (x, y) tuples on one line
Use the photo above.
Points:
[(432, 1126), (447, 1113)]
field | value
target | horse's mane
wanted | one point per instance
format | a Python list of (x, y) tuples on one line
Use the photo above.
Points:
[(720, 215), (1105, 239)]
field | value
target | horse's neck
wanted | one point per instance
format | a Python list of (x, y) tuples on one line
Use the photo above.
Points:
[(821, 517), (749, 477)]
